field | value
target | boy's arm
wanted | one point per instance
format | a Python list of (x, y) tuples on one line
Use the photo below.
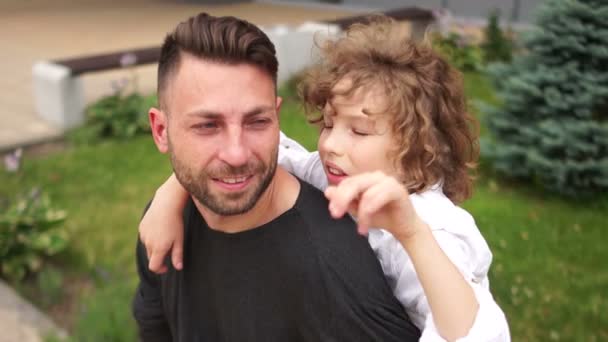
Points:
[(162, 228), (489, 322), (147, 304), (303, 164), (452, 300), (379, 200)]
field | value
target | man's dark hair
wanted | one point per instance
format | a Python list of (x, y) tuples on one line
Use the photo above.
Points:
[(218, 39)]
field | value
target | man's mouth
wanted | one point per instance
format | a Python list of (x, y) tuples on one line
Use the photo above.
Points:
[(233, 183), (232, 180)]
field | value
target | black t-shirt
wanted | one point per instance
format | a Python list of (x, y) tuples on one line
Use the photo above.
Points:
[(302, 277)]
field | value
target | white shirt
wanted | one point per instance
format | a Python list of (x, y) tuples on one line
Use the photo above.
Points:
[(455, 232)]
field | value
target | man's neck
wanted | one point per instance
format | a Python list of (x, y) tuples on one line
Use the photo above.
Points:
[(279, 196)]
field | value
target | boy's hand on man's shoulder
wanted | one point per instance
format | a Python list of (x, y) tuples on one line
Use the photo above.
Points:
[(376, 200)]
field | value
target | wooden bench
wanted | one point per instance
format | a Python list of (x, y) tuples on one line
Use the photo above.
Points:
[(115, 60), (58, 89)]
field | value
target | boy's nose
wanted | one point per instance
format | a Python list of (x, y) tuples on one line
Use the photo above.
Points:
[(332, 143)]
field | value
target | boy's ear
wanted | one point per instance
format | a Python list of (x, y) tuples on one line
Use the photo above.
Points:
[(158, 125)]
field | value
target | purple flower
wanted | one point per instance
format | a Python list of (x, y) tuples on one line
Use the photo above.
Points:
[(128, 59), (12, 161), (119, 85)]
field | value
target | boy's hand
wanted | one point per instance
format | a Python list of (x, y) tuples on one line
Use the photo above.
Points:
[(160, 230), (376, 200), (158, 244)]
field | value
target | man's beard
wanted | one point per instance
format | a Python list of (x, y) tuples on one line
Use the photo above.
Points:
[(235, 203)]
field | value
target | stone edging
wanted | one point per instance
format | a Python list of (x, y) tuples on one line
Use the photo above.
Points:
[(21, 321)]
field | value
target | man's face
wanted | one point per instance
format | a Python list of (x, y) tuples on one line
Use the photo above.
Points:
[(222, 132)]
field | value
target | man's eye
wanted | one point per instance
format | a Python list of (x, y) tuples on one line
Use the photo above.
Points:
[(259, 123), (206, 126)]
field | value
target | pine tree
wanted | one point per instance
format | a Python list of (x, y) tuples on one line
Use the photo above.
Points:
[(552, 125), (497, 46)]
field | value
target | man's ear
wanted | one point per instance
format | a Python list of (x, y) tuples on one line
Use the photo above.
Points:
[(158, 125), (278, 106)]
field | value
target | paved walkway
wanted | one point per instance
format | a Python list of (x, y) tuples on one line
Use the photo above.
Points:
[(40, 29), (20, 321), (35, 30)]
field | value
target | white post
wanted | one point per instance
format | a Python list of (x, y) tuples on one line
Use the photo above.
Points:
[(58, 96), (296, 47)]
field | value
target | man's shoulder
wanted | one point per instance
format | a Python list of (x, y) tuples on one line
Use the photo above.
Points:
[(311, 202), (313, 208)]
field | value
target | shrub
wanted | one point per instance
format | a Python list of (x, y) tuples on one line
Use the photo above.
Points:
[(458, 50), (497, 46), (552, 126), (29, 231), (118, 115)]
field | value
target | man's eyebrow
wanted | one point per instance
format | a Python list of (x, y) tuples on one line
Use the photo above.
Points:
[(209, 114), (258, 110)]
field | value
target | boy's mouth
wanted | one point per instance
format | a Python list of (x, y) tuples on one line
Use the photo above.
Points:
[(335, 171), (334, 174)]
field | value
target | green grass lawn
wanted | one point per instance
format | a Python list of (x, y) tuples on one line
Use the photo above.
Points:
[(548, 274)]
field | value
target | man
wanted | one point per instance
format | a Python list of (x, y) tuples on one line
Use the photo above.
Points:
[(264, 261)]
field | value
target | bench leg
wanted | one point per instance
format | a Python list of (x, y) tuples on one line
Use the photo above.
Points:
[(58, 96)]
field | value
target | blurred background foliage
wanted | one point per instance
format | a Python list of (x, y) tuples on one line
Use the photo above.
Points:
[(542, 104)]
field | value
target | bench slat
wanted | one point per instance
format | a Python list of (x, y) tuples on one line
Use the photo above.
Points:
[(115, 60)]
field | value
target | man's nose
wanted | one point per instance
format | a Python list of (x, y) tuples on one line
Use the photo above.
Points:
[(235, 151)]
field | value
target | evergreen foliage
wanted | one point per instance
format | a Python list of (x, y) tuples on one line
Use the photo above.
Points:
[(497, 46), (552, 125), (459, 51)]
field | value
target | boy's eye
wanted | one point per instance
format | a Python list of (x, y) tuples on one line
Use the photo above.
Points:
[(360, 132)]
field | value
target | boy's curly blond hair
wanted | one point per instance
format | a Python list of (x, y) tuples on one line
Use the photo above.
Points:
[(436, 137)]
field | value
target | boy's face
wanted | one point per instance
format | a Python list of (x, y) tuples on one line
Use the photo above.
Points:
[(352, 140)]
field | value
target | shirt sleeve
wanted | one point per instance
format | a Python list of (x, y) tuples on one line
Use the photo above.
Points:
[(490, 324), (466, 248), (147, 304), (303, 164)]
